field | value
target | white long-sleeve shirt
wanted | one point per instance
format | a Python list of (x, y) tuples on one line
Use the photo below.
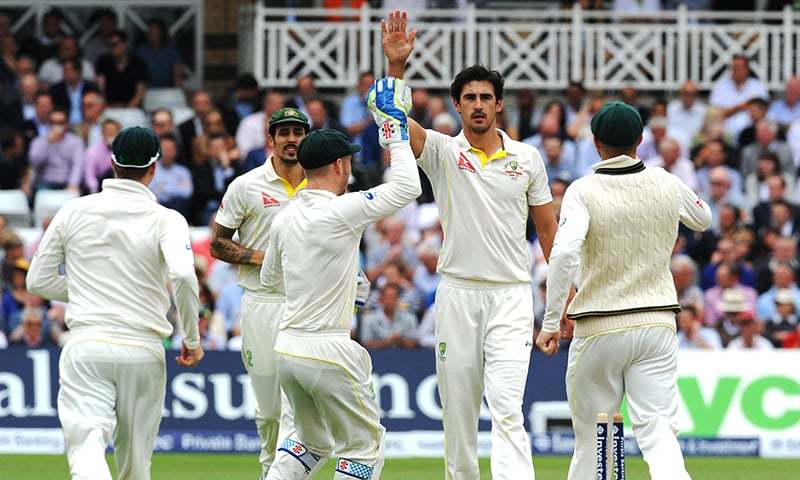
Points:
[(575, 224), (120, 249), (314, 248)]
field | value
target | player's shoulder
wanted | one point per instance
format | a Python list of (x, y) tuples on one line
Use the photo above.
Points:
[(247, 178), (525, 151)]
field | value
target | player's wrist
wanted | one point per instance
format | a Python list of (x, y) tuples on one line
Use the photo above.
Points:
[(397, 68)]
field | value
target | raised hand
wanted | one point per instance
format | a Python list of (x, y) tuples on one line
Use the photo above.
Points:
[(397, 44), (389, 101)]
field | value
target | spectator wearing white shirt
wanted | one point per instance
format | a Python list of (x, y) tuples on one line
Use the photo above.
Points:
[(692, 335), (750, 337), (388, 326), (766, 141), (51, 72), (251, 132), (684, 275), (685, 116), (674, 162), (732, 92), (426, 278), (172, 183), (787, 109), (655, 132)]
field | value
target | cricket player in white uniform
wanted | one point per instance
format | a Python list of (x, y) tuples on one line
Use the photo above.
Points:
[(485, 185), (617, 229), (326, 376), (119, 249), (249, 206)]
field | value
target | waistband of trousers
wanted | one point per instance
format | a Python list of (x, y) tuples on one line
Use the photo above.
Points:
[(134, 338), (477, 284), (313, 334), (264, 296), (591, 326)]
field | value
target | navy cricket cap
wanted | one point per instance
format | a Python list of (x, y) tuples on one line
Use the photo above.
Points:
[(617, 125), (135, 147), (323, 147)]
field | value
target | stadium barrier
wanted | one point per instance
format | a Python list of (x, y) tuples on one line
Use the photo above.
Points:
[(542, 49), (732, 404)]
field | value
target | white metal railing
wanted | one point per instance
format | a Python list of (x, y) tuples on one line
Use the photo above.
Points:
[(532, 48), (132, 15)]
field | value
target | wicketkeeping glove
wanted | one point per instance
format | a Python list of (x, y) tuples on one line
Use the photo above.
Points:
[(389, 101), (362, 289)]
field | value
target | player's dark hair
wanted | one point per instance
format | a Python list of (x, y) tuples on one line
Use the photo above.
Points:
[(477, 73)]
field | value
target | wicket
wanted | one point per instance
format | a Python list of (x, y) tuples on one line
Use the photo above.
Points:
[(617, 447)]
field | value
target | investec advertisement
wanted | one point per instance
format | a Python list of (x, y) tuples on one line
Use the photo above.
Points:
[(732, 403)]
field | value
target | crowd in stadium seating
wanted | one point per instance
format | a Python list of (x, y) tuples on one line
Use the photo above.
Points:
[(738, 148)]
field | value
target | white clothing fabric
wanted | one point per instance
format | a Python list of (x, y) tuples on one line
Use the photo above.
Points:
[(327, 378), (120, 248), (759, 343), (314, 246), (250, 206), (483, 346), (683, 169), (110, 391), (641, 365), (250, 132), (472, 188), (602, 216), (261, 316), (683, 124), (52, 71), (726, 94)]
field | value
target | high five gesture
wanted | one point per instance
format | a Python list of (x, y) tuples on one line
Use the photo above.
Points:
[(397, 43)]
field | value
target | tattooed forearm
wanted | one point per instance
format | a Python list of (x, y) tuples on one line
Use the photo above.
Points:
[(225, 249)]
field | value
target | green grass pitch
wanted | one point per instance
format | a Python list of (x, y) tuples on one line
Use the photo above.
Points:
[(169, 466)]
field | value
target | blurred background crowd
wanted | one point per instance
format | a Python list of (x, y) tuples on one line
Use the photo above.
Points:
[(63, 103)]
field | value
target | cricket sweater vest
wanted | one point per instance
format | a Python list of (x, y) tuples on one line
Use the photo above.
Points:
[(625, 275)]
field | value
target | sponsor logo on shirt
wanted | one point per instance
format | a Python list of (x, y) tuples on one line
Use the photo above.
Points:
[(269, 201), (512, 169), (464, 163), (368, 195)]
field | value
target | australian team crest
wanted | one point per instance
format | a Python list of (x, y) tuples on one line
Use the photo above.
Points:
[(513, 169)]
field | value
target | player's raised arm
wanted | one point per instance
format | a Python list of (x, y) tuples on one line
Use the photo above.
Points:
[(44, 278), (397, 47)]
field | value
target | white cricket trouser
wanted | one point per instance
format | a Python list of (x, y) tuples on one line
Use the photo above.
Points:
[(484, 337), (261, 315), (640, 363), (327, 378), (110, 390)]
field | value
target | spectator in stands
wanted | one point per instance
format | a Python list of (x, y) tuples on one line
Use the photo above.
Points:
[(388, 326), (766, 141), (14, 250), (783, 251), (732, 305), (193, 127), (786, 110), (244, 100), (575, 97), (783, 280), (685, 116), (163, 123), (122, 75), (784, 219), (728, 276), (426, 279), (720, 191), (319, 115), (782, 322), (213, 124), (750, 337), (251, 133), (8, 64), (630, 96), (446, 123), (684, 275), (98, 45), (759, 184), (31, 332), (757, 109), (211, 175), (354, 116), (14, 295), (68, 94), (731, 94), (776, 192), (26, 65), (21, 107), (98, 157), (305, 90), (725, 252), (13, 162), (420, 98), (655, 132), (40, 124), (557, 163), (671, 160), (44, 46), (57, 158), (391, 246), (159, 55), (229, 306), (550, 127), (90, 130), (51, 71), (525, 117), (172, 183), (692, 335)]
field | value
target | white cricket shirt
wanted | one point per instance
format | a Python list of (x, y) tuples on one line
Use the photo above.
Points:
[(314, 247), (483, 205), (250, 206), (120, 249)]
